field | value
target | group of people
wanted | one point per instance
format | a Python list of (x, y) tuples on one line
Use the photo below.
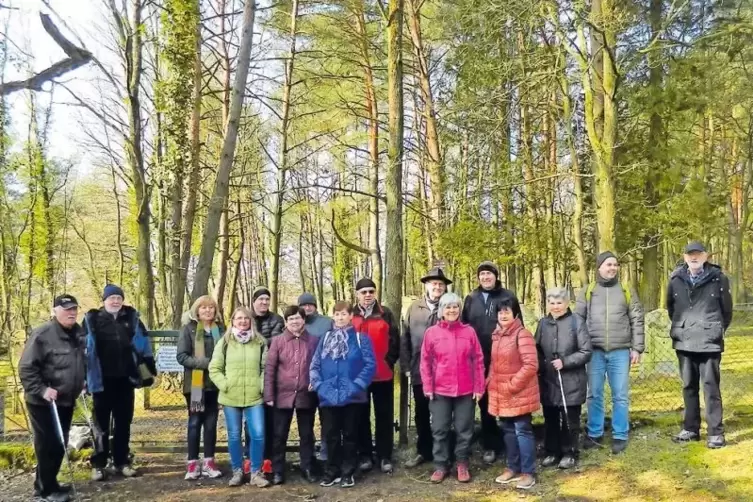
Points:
[(457, 354)]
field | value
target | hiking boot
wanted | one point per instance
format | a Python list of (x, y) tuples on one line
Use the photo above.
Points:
[(365, 464), (266, 467), (246, 466), (192, 470), (490, 456), (438, 476), (348, 482), (550, 461), (526, 482), (98, 474), (210, 470), (237, 478), (507, 476), (258, 480), (618, 446), (567, 462), (415, 461), (592, 443), (328, 480), (464, 475), (715, 442), (685, 436), (386, 466), (127, 471)]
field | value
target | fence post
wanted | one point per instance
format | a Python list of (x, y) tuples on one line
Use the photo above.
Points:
[(2, 411)]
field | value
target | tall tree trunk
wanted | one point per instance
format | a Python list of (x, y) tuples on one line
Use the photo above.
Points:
[(219, 197), (224, 257)]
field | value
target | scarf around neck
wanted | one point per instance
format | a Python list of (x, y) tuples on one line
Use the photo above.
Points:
[(336, 343), (242, 336), (197, 375)]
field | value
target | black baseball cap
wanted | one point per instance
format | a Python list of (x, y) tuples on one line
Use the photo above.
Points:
[(695, 247), (65, 301)]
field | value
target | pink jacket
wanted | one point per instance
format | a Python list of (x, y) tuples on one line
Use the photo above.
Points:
[(452, 363)]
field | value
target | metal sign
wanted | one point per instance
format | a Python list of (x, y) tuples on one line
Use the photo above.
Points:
[(166, 359)]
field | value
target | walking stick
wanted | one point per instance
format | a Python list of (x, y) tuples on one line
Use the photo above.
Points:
[(410, 399), (61, 436), (562, 390)]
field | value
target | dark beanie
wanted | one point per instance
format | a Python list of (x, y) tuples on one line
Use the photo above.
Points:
[(365, 283), (489, 267), (261, 292), (306, 299), (604, 257), (112, 289)]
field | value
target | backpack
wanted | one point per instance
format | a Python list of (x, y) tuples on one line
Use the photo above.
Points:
[(591, 286)]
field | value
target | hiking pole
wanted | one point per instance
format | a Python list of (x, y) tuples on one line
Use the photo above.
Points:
[(562, 390), (59, 427), (410, 398)]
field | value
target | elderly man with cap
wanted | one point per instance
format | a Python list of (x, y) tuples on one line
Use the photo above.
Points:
[(52, 369), (118, 353), (699, 304), (480, 311), (614, 318), (379, 324), (421, 315), (316, 323)]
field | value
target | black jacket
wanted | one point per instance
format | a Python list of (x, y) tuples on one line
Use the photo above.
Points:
[(186, 343), (113, 337), (53, 358), (568, 338), (700, 313), (482, 315), (269, 325)]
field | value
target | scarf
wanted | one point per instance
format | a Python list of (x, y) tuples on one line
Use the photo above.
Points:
[(197, 375), (242, 336), (432, 304), (336, 344)]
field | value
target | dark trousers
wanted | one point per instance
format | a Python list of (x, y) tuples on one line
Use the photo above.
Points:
[(269, 431), (698, 367), (383, 396), (445, 412), (47, 446), (490, 433), (115, 401), (282, 420), (206, 419), (562, 432), (340, 425), (422, 415)]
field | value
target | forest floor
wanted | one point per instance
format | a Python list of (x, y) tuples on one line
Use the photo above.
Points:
[(652, 469)]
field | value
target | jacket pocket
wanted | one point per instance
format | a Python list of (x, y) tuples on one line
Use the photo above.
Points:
[(713, 332), (61, 359), (675, 332)]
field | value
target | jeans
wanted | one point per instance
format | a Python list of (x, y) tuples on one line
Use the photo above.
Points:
[(207, 420), (47, 446), (254, 417), (615, 366), (340, 431), (383, 395), (117, 401), (562, 431), (446, 411), (703, 367), (520, 445), (282, 419)]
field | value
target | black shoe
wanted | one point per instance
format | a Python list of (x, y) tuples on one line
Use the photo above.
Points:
[(685, 436), (550, 461), (618, 446), (309, 476), (330, 480), (348, 481), (590, 443), (57, 497), (64, 488), (278, 479)]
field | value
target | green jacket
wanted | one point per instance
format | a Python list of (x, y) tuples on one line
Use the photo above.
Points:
[(238, 371)]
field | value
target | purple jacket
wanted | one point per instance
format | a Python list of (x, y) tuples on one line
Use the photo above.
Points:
[(286, 374)]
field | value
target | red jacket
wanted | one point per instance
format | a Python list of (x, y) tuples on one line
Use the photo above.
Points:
[(452, 363), (384, 334)]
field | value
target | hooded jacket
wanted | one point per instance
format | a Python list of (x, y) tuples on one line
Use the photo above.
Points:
[(186, 358), (612, 322), (700, 312)]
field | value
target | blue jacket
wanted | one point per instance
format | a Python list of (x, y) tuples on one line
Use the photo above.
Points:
[(318, 325), (343, 381)]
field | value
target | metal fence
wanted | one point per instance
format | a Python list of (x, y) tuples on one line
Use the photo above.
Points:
[(160, 416)]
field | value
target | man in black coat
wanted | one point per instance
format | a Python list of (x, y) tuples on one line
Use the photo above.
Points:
[(52, 369), (480, 311), (700, 307)]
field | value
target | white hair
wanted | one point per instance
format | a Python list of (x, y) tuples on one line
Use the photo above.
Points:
[(448, 299), (558, 294)]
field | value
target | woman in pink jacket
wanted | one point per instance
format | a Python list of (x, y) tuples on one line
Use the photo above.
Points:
[(452, 372)]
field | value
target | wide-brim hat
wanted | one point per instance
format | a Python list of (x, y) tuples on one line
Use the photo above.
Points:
[(436, 274)]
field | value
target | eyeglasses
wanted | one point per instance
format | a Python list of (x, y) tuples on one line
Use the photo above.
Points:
[(367, 291)]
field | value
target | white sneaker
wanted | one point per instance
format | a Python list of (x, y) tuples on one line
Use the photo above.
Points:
[(193, 472), (127, 471), (98, 474), (210, 470)]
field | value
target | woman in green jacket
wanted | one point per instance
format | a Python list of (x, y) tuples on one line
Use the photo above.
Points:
[(237, 369)]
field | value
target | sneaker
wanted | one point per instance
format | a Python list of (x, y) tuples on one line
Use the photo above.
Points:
[(348, 481), (330, 480), (550, 461), (386, 466), (98, 474), (464, 475), (266, 467), (438, 476), (415, 461), (258, 480), (567, 462), (618, 446), (192, 470), (526, 482), (210, 470), (490, 456), (127, 471), (508, 476), (57, 497), (365, 465), (246, 466), (278, 479), (590, 443), (715, 442), (237, 478), (685, 436)]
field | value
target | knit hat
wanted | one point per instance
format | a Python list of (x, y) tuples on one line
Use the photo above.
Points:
[(604, 257), (112, 289), (489, 267), (365, 283), (306, 299), (261, 292)]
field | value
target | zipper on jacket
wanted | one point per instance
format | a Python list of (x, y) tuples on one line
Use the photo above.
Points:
[(607, 344)]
